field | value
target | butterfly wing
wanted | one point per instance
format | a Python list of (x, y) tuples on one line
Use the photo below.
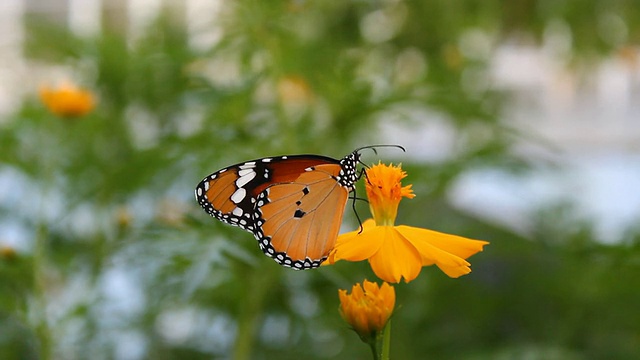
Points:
[(299, 220), (292, 204)]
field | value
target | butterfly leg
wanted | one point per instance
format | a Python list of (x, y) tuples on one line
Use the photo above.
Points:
[(363, 172), (353, 206)]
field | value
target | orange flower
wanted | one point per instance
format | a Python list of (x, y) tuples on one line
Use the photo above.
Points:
[(294, 90), (397, 252), (67, 100), (368, 308), (385, 191), (295, 96), (8, 253)]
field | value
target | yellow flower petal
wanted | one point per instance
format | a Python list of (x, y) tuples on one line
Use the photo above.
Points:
[(368, 308), (389, 294), (454, 244), (397, 258), (399, 252), (356, 246), (446, 251)]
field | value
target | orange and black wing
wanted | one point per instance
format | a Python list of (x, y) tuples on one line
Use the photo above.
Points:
[(292, 204)]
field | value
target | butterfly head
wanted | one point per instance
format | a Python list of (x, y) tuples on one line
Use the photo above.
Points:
[(349, 174)]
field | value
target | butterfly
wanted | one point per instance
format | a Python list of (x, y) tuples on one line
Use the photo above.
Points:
[(293, 204)]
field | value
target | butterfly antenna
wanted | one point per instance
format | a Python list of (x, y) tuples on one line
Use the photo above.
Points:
[(373, 147)]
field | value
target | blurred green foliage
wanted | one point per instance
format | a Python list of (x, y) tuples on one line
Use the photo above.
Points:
[(121, 263)]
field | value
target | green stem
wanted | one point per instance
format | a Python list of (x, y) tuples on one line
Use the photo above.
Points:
[(381, 343), (386, 341), (41, 324), (42, 329), (374, 350)]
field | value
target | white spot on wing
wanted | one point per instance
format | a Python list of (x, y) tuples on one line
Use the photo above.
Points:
[(238, 195), (245, 177), (248, 165), (206, 186), (237, 211), (266, 160)]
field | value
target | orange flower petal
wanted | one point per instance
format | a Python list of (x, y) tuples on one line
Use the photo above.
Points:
[(399, 252), (388, 294), (356, 246), (368, 308), (397, 258), (385, 191), (453, 244), (449, 262)]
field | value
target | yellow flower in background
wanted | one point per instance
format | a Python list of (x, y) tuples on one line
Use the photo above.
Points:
[(8, 253), (67, 100), (368, 308), (294, 89), (400, 252)]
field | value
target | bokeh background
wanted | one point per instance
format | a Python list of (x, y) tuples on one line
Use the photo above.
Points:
[(521, 123)]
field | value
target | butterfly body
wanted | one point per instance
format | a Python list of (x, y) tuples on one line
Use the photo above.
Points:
[(293, 205)]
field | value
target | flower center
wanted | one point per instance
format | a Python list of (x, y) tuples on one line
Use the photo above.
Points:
[(385, 191)]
